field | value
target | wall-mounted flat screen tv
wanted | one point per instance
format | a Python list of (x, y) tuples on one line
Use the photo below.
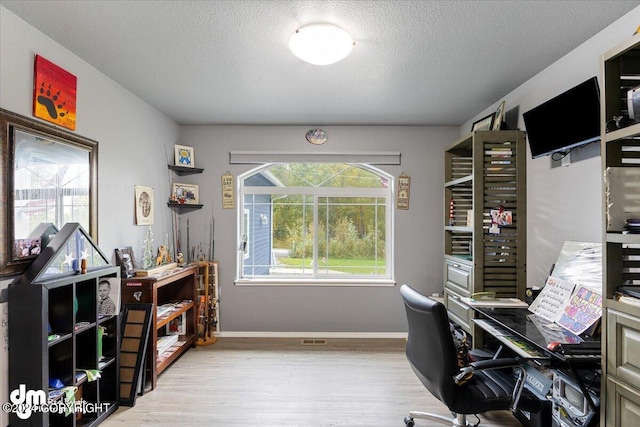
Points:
[(569, 120)]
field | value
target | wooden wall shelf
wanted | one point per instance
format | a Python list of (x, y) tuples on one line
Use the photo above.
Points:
[(182, 170), (185, 206)]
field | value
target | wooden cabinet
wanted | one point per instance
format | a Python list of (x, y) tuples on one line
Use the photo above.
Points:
[(623, 405), (485, 171), (176, 291), (208, 303), (57, 334), (621, 248)]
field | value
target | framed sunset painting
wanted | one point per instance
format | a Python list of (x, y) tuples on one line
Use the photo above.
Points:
[(54, 94)]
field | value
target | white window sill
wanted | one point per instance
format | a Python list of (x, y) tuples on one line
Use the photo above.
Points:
[(314, 282)]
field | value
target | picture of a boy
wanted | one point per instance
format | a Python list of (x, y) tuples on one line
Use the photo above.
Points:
[(105, 303)]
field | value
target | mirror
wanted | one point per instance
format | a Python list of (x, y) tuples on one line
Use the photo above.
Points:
[(50, 177)]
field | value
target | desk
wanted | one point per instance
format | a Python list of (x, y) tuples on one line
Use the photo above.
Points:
[(528, 336), (513, 326)]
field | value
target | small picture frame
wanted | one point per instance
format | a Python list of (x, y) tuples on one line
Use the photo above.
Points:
[(187, 194), (184, 156), (26, 248), (499, 117), (485, 123), (109, 296), (501, 217), (144, 205), (177, 326), (126, 261)]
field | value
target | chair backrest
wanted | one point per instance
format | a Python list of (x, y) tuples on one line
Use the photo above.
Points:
[(430, 347)]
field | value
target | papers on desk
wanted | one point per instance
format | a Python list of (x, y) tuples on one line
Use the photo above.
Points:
[(552, 299), (495, 303), (572, 306)]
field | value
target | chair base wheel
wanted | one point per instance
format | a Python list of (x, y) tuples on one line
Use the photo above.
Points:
[(408, 421)]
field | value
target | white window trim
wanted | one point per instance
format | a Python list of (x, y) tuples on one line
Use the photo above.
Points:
[(246, 219), (314, 282), (321, 191)]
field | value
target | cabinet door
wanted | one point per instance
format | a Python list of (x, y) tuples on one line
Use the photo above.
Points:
[(458, 277), (623, 405), (623, 346), (458, 312)]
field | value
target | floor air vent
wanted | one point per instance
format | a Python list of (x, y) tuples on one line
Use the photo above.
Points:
[(312, 341)]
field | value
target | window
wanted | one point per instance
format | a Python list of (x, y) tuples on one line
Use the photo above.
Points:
[(315, 223)]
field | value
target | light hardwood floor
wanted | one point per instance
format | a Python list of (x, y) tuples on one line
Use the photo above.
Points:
[(280, 382)]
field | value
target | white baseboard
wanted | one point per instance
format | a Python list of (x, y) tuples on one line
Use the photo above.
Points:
[(349, 335)]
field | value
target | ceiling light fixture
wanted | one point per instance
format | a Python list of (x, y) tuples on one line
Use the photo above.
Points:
[(321, 44)]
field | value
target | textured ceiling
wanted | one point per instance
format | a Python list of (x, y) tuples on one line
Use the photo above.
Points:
[(227, 62)]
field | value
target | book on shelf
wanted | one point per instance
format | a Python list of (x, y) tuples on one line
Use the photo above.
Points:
[(161, 357), (170, 307), (164, 310), (165, 343)]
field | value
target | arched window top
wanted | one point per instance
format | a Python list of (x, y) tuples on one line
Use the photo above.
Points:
[(316, 175)]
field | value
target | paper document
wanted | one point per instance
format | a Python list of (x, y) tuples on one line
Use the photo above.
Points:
[(552, 299), (574, 307), (583, 310)]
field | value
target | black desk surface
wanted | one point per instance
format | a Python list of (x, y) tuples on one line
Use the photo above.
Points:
[(530, 327)]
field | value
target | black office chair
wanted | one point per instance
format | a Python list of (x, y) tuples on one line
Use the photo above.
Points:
[(431, 352)]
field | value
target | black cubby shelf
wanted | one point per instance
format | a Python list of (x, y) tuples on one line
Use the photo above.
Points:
[(54, 331), (35, 360)]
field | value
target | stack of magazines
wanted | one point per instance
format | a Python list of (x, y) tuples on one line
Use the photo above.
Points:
[(165, 343)]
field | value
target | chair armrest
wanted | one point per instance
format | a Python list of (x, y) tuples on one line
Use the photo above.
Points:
[(485, 365), (506, 362)]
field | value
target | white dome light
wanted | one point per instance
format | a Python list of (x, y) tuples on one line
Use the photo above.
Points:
[(321, 44)]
